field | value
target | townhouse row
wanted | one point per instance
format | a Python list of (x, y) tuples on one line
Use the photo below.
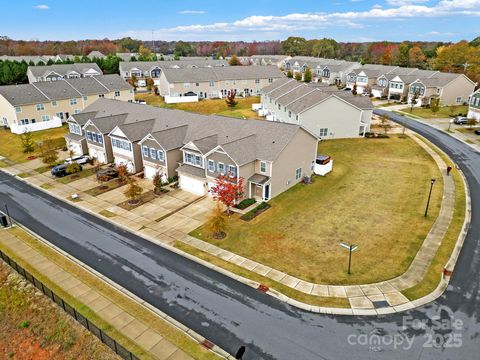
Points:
[(62, 71), (45, 105), (405, 84), (270, 156), (323, 110), (142, 70), (217, 82)]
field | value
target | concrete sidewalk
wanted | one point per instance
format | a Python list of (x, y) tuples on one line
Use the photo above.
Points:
[(140, 333)]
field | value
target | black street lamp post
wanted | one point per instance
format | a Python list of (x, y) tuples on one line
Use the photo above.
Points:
[(429, 196)]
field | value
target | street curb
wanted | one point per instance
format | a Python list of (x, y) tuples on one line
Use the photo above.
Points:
[(298, 304)]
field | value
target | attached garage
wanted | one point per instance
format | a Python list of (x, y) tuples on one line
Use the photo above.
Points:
[(193, 185), (98, 154), (127, 162), (150, 171)]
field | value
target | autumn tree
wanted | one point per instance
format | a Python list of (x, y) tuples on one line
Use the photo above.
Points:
[(227, 190), (354, 90), (230, 99), (385, 123), (133, 190), (289, 74), (122, 173), (150, 84), (471, 122), (73, 168), (234, 61), (48, 152), (414, 100), (28, 144), (144, 53), (133, 81), (307, 75), (294, 46), (416, 57), (217, 223), (298, 76)]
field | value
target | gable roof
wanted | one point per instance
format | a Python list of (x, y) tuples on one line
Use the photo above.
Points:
[(205, 131), (221, 73), (170, 64), (63, 69)]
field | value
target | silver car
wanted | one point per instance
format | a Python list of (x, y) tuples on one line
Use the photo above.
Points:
[(81, 159)]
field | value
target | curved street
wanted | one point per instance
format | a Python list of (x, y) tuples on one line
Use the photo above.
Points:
[(231, 314)]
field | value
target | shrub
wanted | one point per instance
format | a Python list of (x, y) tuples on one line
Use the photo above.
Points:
[(24, 324), (73, 168), (245, 203)]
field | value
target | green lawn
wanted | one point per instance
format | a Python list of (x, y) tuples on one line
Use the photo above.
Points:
[(213, 106), (76, 176), (11, 145), (375, 197), (443, 112)]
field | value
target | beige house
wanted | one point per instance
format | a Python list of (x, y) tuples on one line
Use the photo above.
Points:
[(323, 110), (45, 105), (269, 156), (62, 71), (217, 82), (451, 89)]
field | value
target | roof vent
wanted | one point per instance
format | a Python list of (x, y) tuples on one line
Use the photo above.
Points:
[(273, 142)]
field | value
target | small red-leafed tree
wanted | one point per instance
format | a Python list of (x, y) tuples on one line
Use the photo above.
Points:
[(230, 99), (227, 190)]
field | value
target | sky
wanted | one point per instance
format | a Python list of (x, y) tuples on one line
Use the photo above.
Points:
[(342, 20)]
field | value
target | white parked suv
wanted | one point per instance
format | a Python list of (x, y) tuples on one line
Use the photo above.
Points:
[(81, 159)]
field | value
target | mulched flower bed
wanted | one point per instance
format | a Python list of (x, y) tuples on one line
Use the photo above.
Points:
[(110, 185), (142, 199)]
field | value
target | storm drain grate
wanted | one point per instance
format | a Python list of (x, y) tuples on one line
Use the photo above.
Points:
[(380, 304)]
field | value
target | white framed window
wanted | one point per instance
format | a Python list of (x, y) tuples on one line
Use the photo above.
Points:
[(153, 153), (221, 168), (187, 85), (100, 138), (145, 151), (232, 169), (298, 173), (40, 107), (458, 100), (257, 81), (24, 121), (122, 144), (270, 80), (263, 167), (323, 132), (18, 109), (54, 103), (193, 159), (45, 118), (161, 155), (117, 93), (89, 135), (211, 83), (73, 101), (211, 165), (77, 111), (85, 98)]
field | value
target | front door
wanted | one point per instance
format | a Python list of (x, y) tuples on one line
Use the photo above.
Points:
[(267, 192)]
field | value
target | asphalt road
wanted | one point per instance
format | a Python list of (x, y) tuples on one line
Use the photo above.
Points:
[(232, 314)]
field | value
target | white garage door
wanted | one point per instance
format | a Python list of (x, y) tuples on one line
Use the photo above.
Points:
[(76, 148), (150, 172), (129, 163), (192, 185), (99, 155)]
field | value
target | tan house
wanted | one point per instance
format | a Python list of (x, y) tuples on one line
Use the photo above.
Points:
[(62, 71), (216, 82), (270, 156), (323, 110), (451, 89), (45, 105)]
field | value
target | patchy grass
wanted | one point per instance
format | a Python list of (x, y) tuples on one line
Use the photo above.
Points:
[(103, 188), (387, 104), (24, 175), (45, 168), (468, 129), (32, 327), (433, 276), (212, 106), (142, 199), (77, 176), (286, 290), (11, 145), (443, 112), (375, 197), (175, 336), (107, 213), (46, 186)]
